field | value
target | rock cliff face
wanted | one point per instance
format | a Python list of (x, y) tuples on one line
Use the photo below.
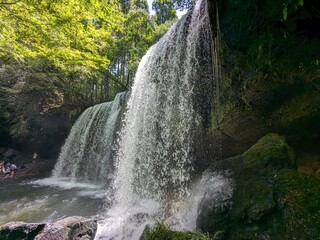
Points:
[(46, 134), (270, 77), (270, 83)]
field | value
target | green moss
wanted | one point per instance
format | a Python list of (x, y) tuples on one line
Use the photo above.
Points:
[(298, 120), (298, 117), (162, 232), (253, 200), (218, 115), (270, 201), (298, 196), (270, 153)]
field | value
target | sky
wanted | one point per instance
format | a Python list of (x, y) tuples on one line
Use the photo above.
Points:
[(179, 13)]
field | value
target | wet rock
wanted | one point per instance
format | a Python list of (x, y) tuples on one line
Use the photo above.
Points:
[(2, 150), (219, 235), (318, 173), (28, 169), (298, 198), (20, 230), (271, 199), (162, 232), (10, 154), (254, 200), (71, 228), (216, 199), (270, 154)]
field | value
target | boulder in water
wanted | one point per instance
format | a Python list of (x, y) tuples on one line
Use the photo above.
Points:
[(71, 228), (20, 230)]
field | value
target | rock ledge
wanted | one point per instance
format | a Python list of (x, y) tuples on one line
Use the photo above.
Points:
[(71, 228)]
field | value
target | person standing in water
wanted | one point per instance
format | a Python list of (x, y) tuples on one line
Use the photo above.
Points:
[(35, 155), (7, 170), (13, 168), (2, 168)]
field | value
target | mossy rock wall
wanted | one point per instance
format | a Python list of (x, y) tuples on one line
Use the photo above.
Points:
[(271, 199), (271, 77)]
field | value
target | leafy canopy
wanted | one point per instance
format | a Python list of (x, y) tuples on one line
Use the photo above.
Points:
[(71, 34)]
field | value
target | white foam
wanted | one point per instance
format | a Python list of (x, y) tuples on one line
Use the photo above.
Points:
[(127, 222), (65, 183)]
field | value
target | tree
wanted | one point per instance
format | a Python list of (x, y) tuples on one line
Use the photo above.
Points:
[(127, 5), (183, 4), (53, 54), (164, 10), (68, 55), (71, 34), (133, 41), (142, 4)]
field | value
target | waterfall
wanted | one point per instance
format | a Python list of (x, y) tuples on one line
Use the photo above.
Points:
[(154, 159), (88, 151), (155, 173)]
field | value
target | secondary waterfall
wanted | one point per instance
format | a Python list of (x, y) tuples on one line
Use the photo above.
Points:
[(88, 151), (155, 167)]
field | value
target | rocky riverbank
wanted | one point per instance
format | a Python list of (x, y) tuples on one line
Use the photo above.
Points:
[(27, 167)]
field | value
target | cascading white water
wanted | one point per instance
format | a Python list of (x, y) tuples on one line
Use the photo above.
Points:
[(154, 158), (88, 151), (154, 162)]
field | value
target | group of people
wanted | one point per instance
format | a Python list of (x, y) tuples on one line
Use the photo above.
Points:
[(8, 169)]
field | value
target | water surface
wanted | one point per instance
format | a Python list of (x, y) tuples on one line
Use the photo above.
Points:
[(48, 199)]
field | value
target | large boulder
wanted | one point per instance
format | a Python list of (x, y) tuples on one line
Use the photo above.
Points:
[(162, 232), (71, 228), (20, 230), (270, 154), (271, 199)]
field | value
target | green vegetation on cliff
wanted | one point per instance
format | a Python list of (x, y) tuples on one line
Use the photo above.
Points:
[(271, 76), (59, 57)]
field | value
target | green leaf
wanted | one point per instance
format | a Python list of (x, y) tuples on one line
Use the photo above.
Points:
[(285, 13)]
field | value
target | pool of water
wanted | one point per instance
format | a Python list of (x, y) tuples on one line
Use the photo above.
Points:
[(52, 199), (48, 199)]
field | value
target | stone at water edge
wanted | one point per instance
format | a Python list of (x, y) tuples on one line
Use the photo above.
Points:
[(71, 228), (20, 230)]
